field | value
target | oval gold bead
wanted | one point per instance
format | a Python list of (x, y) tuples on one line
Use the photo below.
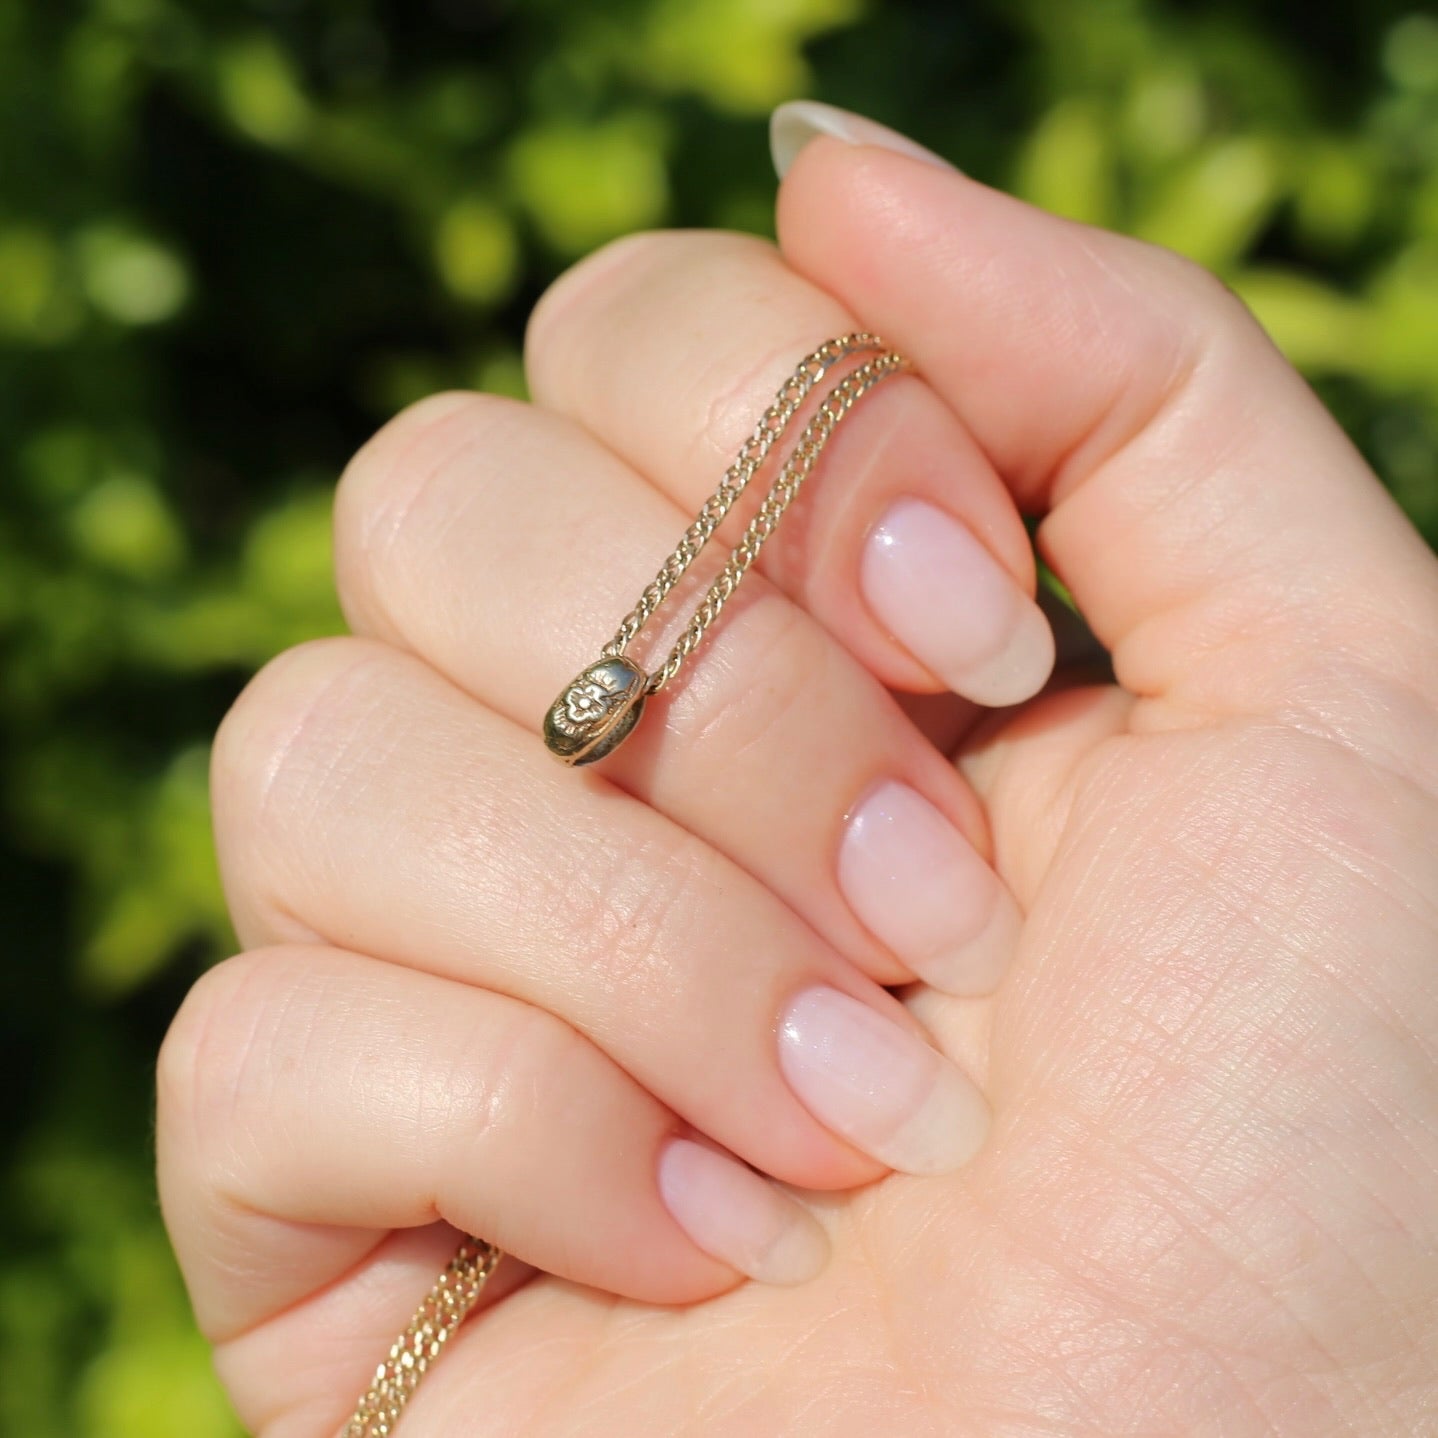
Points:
[(595, 711)]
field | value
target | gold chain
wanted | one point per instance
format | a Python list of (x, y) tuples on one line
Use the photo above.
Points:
[(747, 463), (594, 714), (600, 706), (436, 1321)]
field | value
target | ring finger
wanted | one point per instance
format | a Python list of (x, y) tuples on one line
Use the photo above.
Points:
[(362, 799)]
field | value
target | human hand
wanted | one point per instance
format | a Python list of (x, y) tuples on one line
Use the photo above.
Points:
[(1206, 1204), (483, 992)]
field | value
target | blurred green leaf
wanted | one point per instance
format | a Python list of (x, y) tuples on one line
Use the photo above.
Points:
[(1068, 165), (169, 891), (159, 1386), (260, 90), (128, 276), (1410, 53), (36, 302), (287, 560), (123, 524), (1316, 327), (1166, 114), (476, 250), (742, 55), (584, 184), (1336, 192), (1212, 207), (1405, 320)]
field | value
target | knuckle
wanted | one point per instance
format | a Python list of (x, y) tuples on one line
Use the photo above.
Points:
[(500, 1081), (276, 710), (1204, 297), (281, 741), (627, 279), (574, 288), (388, 481), (391, 448), (207, 1061), (1188, 315)]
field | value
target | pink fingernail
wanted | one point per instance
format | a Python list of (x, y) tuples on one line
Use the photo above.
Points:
[(738, 1218), (953, 606), (920, 888), (878, 1085)]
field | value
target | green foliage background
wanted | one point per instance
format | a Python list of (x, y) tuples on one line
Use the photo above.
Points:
[(235, 237)]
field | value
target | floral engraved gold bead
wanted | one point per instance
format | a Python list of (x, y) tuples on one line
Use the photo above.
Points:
[(595, 710), (599, 707)]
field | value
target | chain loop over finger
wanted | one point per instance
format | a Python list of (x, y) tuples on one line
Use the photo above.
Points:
[(600, 706)]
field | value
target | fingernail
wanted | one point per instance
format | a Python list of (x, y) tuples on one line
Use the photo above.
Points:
[(796, 122), (953, 606), (738, 1218), (921, 889), (881, 1087)]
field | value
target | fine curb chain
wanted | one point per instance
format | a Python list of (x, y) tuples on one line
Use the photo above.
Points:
[(594, 714), (598, 709), (771, 426), (436, 1321)]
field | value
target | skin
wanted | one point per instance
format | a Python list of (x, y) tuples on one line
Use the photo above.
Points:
[(1207, 1202)]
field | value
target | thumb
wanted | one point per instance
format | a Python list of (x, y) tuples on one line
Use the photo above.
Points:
[(1218, 531)]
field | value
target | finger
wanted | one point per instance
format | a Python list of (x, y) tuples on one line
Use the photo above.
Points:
[(361, 798), (669, 346), (1218, 531), (311, 1100), (301, 1372), (466, 532)]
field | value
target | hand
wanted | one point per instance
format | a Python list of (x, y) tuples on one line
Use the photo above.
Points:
[(483, 992), (1205, 1206)]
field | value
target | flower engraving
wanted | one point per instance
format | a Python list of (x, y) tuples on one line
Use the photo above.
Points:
[(595, 710), (586, 703)]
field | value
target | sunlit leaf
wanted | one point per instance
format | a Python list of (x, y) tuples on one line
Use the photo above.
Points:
[(1316, 327), (261, 91), (743, 55), (584, 184), (1068, 165), (124, 524), (476, 250), (1211, 208), (130, 277)]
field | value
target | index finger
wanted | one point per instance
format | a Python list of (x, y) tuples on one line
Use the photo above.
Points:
[(906, 547)]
